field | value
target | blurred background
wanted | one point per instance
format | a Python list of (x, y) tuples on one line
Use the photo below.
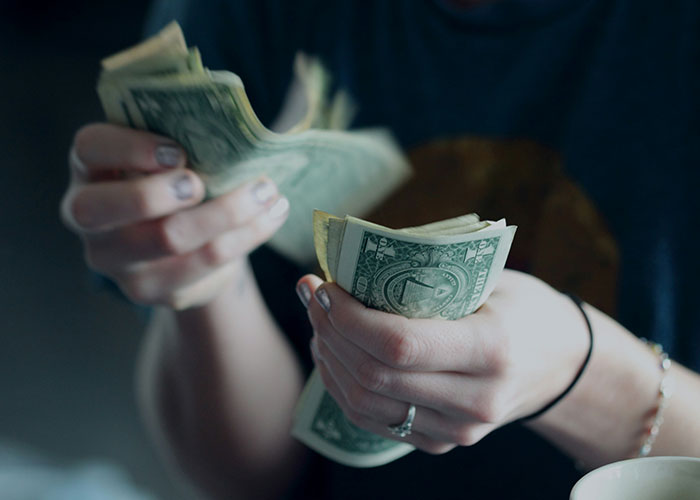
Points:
[(67, 346)]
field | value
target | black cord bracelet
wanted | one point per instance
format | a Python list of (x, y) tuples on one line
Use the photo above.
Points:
[(539, 412)]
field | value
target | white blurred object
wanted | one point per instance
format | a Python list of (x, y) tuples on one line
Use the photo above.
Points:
[(648, 478), (27, 475)]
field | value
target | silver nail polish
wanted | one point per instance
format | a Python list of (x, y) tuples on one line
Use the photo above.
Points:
[(304, 294), (280, 208), (314, 348), (264, 191), (168, 156), (323, 299), (183, 187)]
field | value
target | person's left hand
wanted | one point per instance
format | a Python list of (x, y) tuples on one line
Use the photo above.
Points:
[(468, 377)]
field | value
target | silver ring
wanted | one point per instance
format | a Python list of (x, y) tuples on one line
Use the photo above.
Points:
[(404, 428)]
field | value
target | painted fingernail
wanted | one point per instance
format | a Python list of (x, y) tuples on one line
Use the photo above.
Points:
[(304, 293), (263, 191), (168, 156), (183, 187), (323, 299), (280, 208)]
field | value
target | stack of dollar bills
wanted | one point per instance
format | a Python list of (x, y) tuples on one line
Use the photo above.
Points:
[(160, 85), (442, 270)]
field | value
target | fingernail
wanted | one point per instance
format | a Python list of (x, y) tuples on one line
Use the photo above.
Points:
[(304, 293), (314, 348), (183, 187), (263, 191), (323, 299), (168, 156), (279, 208)]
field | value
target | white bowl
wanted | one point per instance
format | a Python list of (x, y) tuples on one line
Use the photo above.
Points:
[(649, 478)]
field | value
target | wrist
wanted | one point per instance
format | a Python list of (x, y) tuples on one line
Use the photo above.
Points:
[(212, 291), (582, 365), (601, 418)]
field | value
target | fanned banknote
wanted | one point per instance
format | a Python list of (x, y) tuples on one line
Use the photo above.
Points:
[(442, 270), (162, 86)]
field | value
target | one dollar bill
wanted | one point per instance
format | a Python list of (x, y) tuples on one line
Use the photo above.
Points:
[(162, 86), (444, 270)]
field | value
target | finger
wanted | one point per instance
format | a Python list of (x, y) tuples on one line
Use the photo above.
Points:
[(185, 230), (453, 394), (106, 205), (465, 345), (305, 287), (160, 280), (383, 410), (416, 438), (99, 149)]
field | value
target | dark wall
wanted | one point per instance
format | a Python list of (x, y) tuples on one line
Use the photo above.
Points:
[(67, 347)]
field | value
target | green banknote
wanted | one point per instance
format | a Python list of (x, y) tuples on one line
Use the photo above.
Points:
[(209, 114), (444, 270)]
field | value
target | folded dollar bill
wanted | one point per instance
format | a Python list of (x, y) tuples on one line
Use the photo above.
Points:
[(442, 270), (162, 86)]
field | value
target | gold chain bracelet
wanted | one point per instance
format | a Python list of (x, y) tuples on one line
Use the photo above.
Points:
[(664, 394)]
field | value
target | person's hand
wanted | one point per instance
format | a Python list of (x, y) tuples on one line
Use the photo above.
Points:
[(138, 210), (468, 377)]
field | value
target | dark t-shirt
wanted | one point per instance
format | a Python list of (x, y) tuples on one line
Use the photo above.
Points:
[(577, 120)]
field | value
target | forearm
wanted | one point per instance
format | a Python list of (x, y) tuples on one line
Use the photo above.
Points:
[(219, 384), (604, 417)]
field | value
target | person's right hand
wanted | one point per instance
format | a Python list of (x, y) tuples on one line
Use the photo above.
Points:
[(138, 211)]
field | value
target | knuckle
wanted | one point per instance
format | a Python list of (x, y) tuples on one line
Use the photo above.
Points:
[(372, 376), (217, 252), (79, 210), (143, 288), (232, 208), (137, 289), (358, 401), (435, 448), (486, 410), (84, 136), (497, 356), (465, 436), (400, 348), (169, 236)]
